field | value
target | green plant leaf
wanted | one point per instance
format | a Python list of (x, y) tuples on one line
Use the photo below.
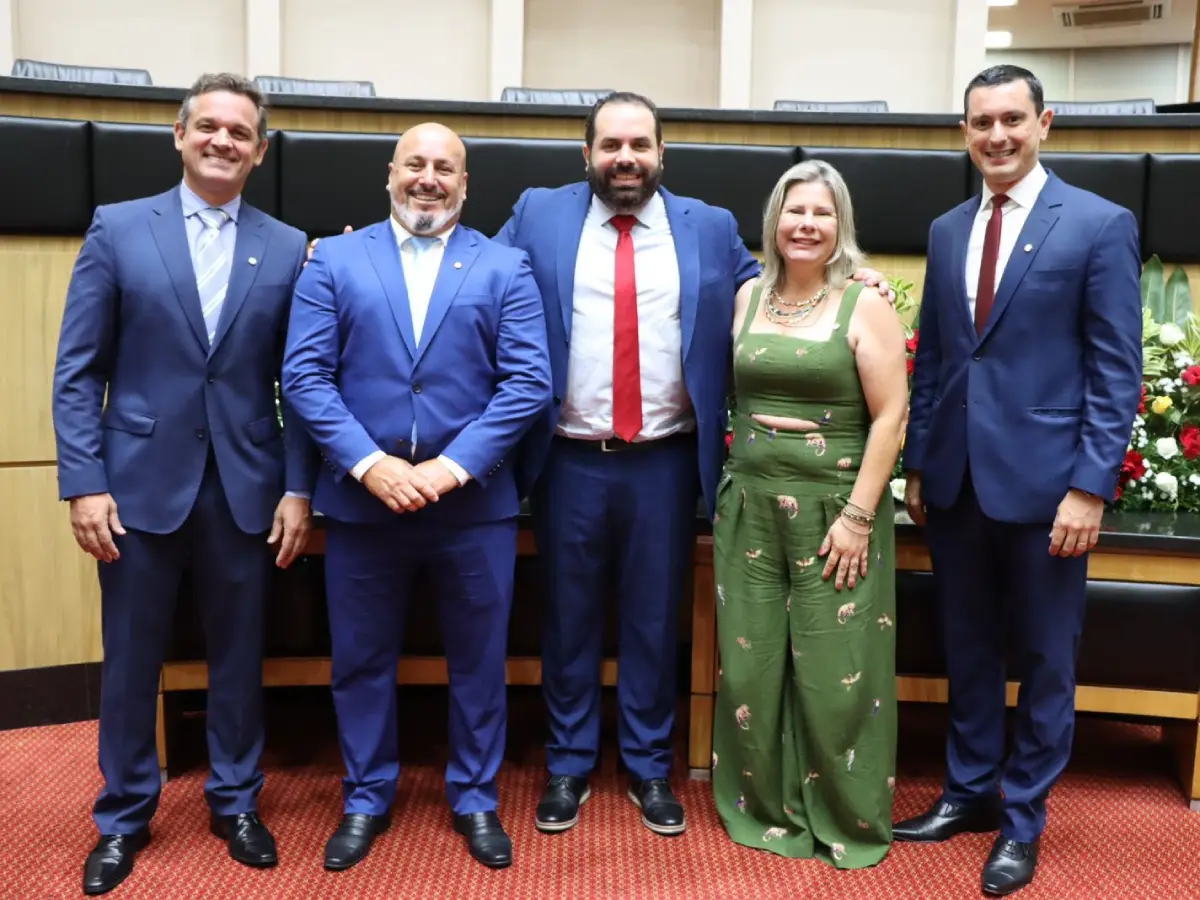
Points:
[(1153, 288), (1177, 299)]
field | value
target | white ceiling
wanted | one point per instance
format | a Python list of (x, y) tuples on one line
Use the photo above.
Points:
[(1034, 24)]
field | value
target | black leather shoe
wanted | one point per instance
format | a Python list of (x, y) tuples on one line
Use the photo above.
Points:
[(1009, 866), (485, 838), (946, 819), (558, 809), (352, 840), (661, 812), (111, 860), (250, 843)]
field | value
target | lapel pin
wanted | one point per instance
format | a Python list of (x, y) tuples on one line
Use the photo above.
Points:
[(254, 262), (1028, 248), (458, 265)]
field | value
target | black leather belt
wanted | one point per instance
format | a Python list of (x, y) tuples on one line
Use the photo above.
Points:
[(616, 445)]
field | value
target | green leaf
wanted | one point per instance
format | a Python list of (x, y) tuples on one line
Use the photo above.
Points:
[(1177, 299), (1153, 290), (1174, 416)]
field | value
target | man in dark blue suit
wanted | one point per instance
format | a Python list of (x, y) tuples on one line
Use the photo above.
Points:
[(178, 310), (639, 288), (1025, 388), (417, 359)]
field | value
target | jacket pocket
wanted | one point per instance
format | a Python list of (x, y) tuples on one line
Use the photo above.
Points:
[(1057, 412), (129, 421), (263, 430)]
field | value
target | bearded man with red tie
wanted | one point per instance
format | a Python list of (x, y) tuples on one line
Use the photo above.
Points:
[(1026, 384), (638, 286)]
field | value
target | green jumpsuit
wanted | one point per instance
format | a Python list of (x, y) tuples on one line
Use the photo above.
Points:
[(804, 742)]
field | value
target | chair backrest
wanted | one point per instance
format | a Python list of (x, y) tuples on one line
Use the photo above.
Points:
[(276, 84), (832, 105), (1102, 108), (32, 68), (552, 96)]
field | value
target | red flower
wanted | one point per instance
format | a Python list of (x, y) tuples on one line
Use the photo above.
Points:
[(1189, 438), (908, 364), (1191, 376), (1142, 402), (728, 439), (1120, 491), (1134, 466), (911, 344)]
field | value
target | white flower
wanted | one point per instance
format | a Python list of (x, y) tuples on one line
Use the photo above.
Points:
[(1170, 335), (1194, 479), (898, 488), (1166, 448), (1167, 483), (1183, 361)]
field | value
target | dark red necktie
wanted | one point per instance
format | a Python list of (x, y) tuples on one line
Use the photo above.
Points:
[(985, 293), (627, 377)]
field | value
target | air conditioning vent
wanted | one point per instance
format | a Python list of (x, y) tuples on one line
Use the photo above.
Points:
[(1111, 13)]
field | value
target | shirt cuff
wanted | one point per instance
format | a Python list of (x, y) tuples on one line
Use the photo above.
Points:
[(459, 473), (360, 469), (301, 494)]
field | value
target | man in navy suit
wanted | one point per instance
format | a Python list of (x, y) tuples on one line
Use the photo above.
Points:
[(417, 359), (639, 287), (1025, 388), (177, 309)]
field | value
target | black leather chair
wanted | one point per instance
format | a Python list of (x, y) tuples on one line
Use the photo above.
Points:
[(500, 169), (841, 106), (45, 176), (1102, 108), (275, 84), (332, 180), (1172, 202), (552, 96), (32, 68)]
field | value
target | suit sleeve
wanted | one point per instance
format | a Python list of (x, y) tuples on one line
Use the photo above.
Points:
[(926, 367), (507, 235), (1112, 329), (301, 457), (745, 266), (522, 376), (310, 365), (86, 346)]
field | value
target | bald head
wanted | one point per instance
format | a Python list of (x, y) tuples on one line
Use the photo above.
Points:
[(427, 178)]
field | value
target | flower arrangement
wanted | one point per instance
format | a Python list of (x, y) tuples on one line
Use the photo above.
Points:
[(1161, 470)]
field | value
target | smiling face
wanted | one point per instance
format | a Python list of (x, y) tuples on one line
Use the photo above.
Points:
[(1004, 132), (220, 144), (807, 232), (427, 179), (624, 162)]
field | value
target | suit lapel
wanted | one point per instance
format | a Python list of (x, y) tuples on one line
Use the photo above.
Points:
[(1041, 219), (570, 231), (251, 244), (687, 253), (170, 236), (385, 257), (461, 252), (958, 259)]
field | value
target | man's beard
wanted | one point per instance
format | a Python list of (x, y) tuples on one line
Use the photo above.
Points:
[(624, 197), (424, 221)]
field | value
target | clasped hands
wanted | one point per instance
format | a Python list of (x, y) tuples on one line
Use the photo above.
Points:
[(402, 486)]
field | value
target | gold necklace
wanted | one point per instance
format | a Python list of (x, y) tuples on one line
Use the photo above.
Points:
[(781, 312)]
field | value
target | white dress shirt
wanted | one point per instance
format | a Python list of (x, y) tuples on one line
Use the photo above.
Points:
[(420, 274), (1015, 211), (587, 409)]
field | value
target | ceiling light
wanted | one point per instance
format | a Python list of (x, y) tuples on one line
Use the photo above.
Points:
[(997, 40), (1001, 2)]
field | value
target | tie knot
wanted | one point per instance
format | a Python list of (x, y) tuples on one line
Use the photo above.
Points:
[(420, 243), (624, 224), (213, 218), (999, 200)]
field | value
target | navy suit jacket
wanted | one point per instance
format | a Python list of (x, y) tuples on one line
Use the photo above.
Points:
[(713, 263), (1045, 399), (133, 327), (473, 385)]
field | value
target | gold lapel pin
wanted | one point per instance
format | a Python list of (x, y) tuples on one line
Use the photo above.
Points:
[(254, 262)]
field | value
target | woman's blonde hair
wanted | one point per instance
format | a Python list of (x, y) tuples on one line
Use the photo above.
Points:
[(846, 257)]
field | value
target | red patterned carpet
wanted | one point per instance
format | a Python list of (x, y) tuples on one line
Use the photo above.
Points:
[(1119, 830)]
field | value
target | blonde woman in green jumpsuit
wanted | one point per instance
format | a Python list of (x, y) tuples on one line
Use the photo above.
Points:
[(805, 732)]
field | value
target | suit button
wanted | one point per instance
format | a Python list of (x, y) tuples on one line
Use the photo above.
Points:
[(212, 378), (416, 389), (977, 357), (201, 434)]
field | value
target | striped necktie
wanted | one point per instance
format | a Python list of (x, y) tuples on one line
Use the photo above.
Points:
[(212, 265)]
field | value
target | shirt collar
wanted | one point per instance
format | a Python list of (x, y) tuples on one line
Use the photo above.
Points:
[(403, 234), (648, 215), (1025, 192), (193, 203)]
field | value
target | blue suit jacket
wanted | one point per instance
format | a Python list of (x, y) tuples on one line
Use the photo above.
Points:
[(1045, 400), (133, 327), (358, 379), (713, 264)]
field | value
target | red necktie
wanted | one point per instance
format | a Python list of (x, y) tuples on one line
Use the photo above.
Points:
[(627, 378), (985, 293)]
